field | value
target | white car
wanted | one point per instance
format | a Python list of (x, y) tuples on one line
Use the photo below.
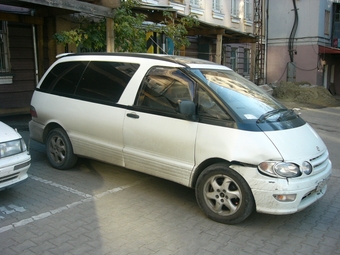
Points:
[(14, 157), (186, 120)]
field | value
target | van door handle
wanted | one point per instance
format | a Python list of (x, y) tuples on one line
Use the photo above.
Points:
[(133, 115)]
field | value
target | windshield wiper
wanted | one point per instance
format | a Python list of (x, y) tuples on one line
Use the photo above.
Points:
[(266, 115), (285, 114)]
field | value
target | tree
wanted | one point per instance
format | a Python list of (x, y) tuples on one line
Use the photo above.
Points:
[(130, 30), (177, 31)]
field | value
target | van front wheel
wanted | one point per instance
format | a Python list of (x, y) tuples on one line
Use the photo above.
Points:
[(59, 150), (223, 194)]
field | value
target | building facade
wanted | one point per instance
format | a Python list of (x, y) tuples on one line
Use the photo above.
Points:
[(302, 42), (27, 47), (237, 15)]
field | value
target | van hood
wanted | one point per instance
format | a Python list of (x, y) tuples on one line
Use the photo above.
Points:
[(301, 143)]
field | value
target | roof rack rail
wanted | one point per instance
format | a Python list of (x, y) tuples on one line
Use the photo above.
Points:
[(63, 55)]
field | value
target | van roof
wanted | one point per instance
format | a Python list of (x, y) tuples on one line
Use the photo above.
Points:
[(171, 58)]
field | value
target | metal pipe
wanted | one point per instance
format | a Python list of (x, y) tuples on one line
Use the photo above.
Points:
[(35, 55)]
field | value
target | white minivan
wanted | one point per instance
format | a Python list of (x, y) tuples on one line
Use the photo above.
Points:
[(186, 120)]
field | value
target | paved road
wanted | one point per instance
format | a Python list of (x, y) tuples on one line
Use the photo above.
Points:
[(97, 208)]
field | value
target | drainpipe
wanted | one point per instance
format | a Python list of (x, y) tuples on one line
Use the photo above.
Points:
[(266, 40), (36, 69)]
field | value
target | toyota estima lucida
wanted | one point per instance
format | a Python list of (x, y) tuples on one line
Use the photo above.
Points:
[(186, 120)]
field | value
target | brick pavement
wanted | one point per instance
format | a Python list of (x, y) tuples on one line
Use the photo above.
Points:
[(101, 209), (154, 216)]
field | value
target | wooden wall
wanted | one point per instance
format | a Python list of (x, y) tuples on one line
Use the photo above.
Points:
[(19, 93)]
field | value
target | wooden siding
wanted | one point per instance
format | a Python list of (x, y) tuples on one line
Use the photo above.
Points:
[(19, 93)]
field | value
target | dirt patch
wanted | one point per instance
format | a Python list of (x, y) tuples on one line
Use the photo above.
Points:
[(304, 95)]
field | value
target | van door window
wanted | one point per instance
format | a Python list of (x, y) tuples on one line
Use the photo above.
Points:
[(208, 108), (163, 88), (63, 78), (104, 82)]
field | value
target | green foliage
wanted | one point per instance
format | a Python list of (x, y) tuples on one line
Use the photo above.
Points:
[(90, 35), (177, 31), (129, 30)]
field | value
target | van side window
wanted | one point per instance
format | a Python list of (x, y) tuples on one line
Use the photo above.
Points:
[(163, 88), (105, 81), (64, 77), (208, 108)]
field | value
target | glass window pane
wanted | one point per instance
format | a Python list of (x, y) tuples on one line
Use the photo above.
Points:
[(163, 88), (105, 81), (64, 77)]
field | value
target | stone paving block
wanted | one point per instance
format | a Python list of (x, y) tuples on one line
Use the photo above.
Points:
[(42, 247), (62, 249), (9, 251), (21, 247)]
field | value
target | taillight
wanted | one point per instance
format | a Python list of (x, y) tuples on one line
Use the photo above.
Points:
[(33, 112)]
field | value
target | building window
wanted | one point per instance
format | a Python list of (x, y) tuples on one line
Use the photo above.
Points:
[(246, 61), (195, 3), (217, 5), (178, 5), (5, 76), (235, 11), (248, 13), (150, 1), (235, 8), (233, 59), (327, 21), (217, 10), (4, 60), (195, 7)]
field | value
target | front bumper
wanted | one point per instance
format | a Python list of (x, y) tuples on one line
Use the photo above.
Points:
[(308, 190), (13, 169)]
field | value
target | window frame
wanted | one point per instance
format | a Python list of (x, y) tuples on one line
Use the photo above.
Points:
[(235, 11), (140, 104), (5, 65), (327, 22), (248, 11), (246, 61), (233, 59), (217, 5)]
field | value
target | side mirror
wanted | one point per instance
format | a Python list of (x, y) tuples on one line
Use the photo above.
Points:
[(188, 109)]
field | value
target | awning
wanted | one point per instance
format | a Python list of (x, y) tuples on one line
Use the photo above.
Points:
[(60, 6), (229, 35), (328, 50)]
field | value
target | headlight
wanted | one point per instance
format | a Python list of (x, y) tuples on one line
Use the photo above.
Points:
[(280, 169), (12, 147), (285, 169)]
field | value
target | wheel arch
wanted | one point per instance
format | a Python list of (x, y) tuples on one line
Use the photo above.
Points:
[(50, 126), (203, 165)]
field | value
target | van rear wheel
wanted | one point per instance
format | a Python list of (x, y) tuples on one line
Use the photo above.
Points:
[(223, 194), (59, 150)]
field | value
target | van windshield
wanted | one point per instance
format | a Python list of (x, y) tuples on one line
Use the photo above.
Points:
[(243, 97)]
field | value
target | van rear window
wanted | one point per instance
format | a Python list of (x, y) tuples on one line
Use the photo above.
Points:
[(96, 81), (105, 81), (63, 78)]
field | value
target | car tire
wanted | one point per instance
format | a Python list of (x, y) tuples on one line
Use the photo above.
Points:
[(59, 150), (223, 194)]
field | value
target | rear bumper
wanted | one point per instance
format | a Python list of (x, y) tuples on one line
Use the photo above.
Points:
[(36, 131)]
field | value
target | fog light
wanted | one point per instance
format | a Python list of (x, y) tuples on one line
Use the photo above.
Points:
[(285, 198), (306, 167)]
